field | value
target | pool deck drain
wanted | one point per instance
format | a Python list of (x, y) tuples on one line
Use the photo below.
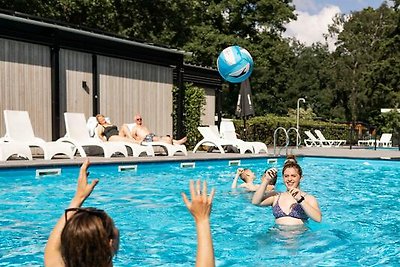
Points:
[(342, 152)]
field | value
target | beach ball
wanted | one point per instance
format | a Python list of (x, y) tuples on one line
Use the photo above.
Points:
[(235, 64)]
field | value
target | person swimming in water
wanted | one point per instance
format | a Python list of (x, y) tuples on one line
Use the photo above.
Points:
[(293, 207), (248, 177)]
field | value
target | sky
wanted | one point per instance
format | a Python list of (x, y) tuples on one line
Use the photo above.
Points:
[(314, 16)]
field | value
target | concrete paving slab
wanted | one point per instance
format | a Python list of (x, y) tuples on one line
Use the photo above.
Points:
[(342, 152)]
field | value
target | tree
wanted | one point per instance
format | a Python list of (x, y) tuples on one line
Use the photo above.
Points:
[(359, 49)]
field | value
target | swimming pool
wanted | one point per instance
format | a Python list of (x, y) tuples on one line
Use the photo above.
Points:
[(358, 199)]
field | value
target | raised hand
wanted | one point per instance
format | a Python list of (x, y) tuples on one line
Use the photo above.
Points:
[(200, 206), (269, 175), (84, 189), (295, 193)]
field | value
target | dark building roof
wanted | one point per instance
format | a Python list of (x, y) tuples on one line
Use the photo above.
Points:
[(27, 28)]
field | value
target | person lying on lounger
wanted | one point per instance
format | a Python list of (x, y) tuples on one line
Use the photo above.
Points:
[(142, 134), (109, 132), (248, 178)]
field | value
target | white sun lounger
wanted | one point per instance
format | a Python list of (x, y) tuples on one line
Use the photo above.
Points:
[(384, 141), (312, 141), (8, 149), (170, 149), (332, 142), (19, 130), (211, 138), (78, 135), (134, 150), (227, 131)]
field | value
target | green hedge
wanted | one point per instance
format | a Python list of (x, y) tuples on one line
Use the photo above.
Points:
[(263, 128), (258, 128), (194, 103)]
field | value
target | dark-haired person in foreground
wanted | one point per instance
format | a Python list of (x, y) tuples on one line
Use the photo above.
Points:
[(88, 236)]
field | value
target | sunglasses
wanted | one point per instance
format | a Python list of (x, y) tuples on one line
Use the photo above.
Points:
[(139, 119), (99, 213)]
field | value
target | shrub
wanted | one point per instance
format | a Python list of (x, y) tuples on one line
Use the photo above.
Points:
[(263, 129), (194, 103)]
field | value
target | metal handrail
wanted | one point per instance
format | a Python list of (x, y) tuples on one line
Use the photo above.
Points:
[(287, 140), (298, 137)]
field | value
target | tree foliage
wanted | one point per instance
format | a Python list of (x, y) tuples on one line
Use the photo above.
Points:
[(363, 63), (349, 84)]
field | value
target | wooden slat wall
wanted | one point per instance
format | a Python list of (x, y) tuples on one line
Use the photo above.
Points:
[(25, 83), (128, 87), (208, 117), (75, 67)]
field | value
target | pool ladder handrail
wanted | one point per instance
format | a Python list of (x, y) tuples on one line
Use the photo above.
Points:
[(287, 138), (297, 135)]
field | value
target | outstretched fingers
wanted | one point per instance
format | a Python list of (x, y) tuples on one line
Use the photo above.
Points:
[(186, 200), (211, 197), (83, 188), (192, 189), (200, 203), (83, 174), (204, 192), (272, 172)]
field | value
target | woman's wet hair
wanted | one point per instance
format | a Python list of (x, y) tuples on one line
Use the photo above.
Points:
[(85, 239), (290, 158), (242, 174), (292, 164)]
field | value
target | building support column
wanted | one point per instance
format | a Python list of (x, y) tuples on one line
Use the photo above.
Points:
[(180, 112), (218, 92), (95, 84), (56, 113)]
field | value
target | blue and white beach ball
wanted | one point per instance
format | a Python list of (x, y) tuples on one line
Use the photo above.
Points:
[(235, 64)]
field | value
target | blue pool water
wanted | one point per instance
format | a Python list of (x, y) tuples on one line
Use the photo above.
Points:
[(359, 200)]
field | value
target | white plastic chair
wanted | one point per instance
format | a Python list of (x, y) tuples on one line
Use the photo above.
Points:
[(13, 148), (170, 149), (135, 149), (19, 130), (332, 142), (312, 140), (227, 130), (78, 135), (385, 140), (211, 138)]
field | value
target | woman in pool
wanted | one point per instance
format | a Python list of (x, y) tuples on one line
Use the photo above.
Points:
[(294, 206), (248, 178), (88, 236)]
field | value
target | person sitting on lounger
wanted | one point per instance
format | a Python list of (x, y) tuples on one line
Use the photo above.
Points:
[(109, 132), (142, 134), (248, 178)]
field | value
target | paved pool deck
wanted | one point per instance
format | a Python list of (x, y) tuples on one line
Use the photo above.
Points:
[(341, 152)]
